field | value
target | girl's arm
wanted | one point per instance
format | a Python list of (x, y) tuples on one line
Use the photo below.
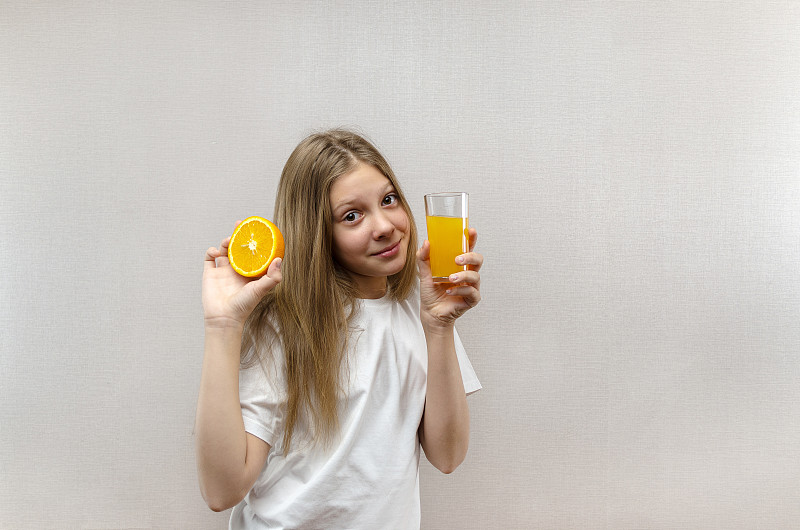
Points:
[(228, 459), (444, 430)]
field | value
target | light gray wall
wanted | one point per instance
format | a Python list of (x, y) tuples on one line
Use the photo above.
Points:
[(634, 170)]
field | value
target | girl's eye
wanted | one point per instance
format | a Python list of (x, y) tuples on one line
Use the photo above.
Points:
[(390, 199), (351, 217)]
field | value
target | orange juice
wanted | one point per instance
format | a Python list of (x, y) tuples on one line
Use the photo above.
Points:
[(448, 237)]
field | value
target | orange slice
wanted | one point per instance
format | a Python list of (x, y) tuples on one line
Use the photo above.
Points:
[(254, 244)]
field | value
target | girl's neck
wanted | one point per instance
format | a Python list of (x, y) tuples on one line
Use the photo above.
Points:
[(371, 288), (372, 294)]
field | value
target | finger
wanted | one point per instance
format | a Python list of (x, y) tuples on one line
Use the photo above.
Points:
[(274, 270), (469, 277), (227, 240), (469, 294), (472, 260), (473, 238), (424, 252), (424, 259), (238, 222), (210, 260), (223, 251), (268, 282)]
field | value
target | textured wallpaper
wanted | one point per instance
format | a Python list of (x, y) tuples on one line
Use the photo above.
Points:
[(634, 174)]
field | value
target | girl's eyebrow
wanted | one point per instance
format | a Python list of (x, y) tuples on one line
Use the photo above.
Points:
[(344, 203), (349, 201)]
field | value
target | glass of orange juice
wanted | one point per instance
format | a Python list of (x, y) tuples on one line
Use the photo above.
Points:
[(447, 218)]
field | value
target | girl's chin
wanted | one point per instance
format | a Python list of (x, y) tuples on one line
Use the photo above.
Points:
[(388, 272), (401, 263)]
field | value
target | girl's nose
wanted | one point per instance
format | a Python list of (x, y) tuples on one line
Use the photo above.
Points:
[(383, 226)]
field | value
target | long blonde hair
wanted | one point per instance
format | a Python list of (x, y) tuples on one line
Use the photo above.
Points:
[(314, 304)]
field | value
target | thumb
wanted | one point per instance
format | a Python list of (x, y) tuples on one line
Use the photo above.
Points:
[(424, 259), (272, 278)]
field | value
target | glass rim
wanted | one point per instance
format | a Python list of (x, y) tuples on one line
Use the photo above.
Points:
[(446, 194)]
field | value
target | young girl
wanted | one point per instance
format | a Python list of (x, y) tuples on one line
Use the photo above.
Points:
[(322, 379)]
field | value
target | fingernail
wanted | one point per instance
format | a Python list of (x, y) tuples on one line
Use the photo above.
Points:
[(454, 278), (278, 265), (459, 260)]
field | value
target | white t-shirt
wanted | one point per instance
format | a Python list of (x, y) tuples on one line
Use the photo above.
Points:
[(369, 477)]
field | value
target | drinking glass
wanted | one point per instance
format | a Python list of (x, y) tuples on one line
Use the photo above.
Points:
[(447, 218)]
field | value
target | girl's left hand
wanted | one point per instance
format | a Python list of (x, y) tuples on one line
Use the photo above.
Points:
[(442, 303)]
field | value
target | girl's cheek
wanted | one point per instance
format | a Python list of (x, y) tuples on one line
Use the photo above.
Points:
[(403, 221)]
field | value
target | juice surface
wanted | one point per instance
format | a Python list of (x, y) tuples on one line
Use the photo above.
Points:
[(448, 237)]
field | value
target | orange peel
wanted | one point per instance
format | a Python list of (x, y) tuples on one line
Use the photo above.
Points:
[(255, 243)]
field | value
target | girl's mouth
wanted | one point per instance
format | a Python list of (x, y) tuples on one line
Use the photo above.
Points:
[(388, 251)]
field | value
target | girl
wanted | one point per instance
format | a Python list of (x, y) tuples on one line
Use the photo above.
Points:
[(322, 379)]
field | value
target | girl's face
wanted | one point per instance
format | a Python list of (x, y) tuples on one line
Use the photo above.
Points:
[(370, 228)]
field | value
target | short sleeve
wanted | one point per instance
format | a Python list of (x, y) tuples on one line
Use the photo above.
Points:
[(471, 383), (262, 398)]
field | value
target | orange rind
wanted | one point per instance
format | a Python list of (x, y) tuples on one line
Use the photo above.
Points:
[(255, 243)]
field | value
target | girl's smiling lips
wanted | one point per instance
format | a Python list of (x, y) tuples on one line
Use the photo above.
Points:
[(389, 251)]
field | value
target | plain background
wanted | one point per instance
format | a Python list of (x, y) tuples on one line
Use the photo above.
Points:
[(634, 170)]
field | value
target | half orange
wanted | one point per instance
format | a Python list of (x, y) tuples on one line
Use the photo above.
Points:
[(254, 244)]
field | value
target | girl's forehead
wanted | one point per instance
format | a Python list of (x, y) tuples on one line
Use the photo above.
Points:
[(363, 182)]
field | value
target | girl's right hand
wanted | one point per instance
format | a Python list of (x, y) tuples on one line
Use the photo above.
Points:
[(228, 298)]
